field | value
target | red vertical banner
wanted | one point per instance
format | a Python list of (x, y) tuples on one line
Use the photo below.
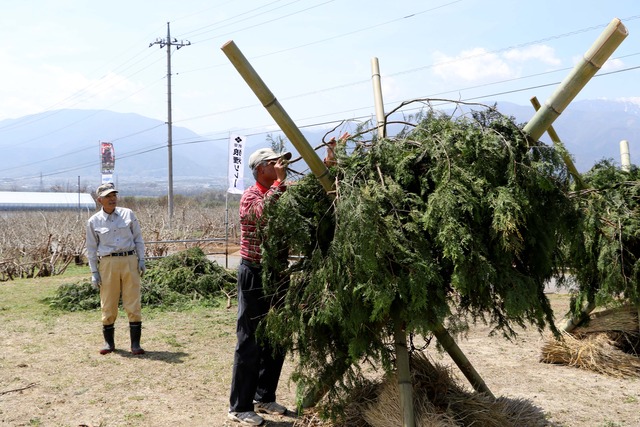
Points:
[(107, 161)]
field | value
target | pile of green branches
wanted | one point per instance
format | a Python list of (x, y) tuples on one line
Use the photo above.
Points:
[(457, 220), (178, 281), (186, 278), (603, 255)]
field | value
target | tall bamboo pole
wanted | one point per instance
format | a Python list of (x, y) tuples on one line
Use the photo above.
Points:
[(278, 113), (560, 146), (377, 98), (591, 62), (403, 372)]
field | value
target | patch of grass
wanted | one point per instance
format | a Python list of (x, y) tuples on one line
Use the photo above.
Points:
[(172, 340), (136, 416), (74, 270)]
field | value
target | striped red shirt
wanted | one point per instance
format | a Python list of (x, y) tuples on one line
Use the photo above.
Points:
[(252, 205)]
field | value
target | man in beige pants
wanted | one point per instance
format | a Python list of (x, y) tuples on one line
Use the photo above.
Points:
[(115, 250)]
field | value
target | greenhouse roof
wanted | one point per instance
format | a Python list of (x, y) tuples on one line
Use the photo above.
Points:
[(29, 201)]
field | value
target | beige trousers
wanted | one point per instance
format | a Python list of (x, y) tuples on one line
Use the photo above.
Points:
[(120, 277)]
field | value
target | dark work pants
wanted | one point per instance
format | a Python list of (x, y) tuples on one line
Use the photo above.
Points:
[(256, 368)]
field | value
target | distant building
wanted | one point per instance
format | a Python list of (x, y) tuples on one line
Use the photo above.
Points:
[(34, 201)]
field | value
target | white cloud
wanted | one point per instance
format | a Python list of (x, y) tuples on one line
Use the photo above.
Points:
[(542, 53), (472, 66), (44, 87), (479, 65), (613, 65)]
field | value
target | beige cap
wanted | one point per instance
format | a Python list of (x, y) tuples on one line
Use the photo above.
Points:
[(105, 189), (265, 154)]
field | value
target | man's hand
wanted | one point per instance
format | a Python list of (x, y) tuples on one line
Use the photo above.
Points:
[(96, 281), (141, 267), (330, 159), (281, 169)]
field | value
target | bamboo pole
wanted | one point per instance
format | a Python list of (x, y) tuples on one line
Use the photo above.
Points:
[(403, 372), (377, 98), (625, 156), (560, 146), (591, 62), (278, 113), (448, 343), (573, 322)]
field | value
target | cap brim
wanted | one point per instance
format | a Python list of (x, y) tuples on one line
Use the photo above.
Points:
[(105, 193), (286, 155)]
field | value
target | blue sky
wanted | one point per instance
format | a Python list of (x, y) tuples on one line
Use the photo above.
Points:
[(315, 55)]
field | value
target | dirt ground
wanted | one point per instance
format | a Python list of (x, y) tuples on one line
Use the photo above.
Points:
[(52, 375)]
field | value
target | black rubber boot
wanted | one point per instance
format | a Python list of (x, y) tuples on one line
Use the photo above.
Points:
[(135, 330), (109, 344)]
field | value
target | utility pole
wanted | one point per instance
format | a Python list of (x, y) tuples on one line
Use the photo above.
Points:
[(178, 44)]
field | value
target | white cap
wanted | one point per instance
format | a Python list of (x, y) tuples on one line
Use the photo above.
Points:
[(264, 154)]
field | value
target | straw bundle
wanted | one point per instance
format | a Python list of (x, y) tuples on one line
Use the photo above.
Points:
[(594, 351), (619, 319), (608, 344), (438, 402)]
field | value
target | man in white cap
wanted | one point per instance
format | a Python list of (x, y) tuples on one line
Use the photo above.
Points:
[(115, 250), (256, 365)]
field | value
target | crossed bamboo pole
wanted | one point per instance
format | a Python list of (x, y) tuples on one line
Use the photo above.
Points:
[(545, 115)]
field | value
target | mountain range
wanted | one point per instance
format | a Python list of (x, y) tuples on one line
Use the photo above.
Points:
[(56, 147)]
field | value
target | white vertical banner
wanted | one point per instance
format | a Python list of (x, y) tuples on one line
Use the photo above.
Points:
[(236, 164)]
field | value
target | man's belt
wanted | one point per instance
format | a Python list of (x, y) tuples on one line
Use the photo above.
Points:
[(251, 264), (121, 253)]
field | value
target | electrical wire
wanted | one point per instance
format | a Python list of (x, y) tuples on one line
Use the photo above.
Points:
[(368, 81), (312, 125)]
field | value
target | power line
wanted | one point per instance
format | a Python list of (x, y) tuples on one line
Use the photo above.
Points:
[(368, 107), (216, 25), (413, 70), (236, 30)]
